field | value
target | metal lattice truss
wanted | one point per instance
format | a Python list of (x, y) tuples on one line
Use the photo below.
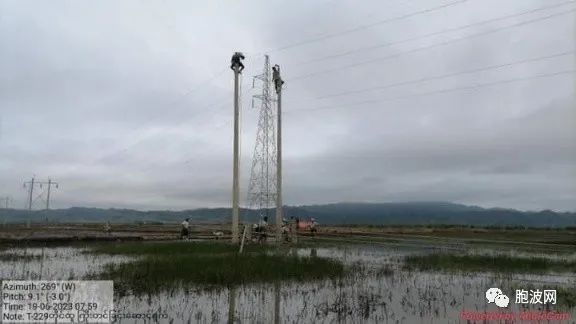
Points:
[(262, 190)]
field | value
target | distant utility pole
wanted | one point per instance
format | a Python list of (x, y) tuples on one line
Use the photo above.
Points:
[(5, 202), (32, 184), (237, 67), (50, 183), (278, 82)]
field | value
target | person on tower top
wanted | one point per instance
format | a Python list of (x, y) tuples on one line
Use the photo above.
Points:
[(278, 82), (237, 61)]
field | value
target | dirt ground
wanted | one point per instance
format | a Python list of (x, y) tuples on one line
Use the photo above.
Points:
[(97, 232), (14, 233)]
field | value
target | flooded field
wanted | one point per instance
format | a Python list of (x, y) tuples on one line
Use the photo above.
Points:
[(377, 288)]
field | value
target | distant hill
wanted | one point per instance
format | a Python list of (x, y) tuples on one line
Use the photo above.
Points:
[(412, 213), (435, 213)]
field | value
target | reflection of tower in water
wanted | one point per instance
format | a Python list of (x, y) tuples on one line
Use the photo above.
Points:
[(264, 308), (231, 304)]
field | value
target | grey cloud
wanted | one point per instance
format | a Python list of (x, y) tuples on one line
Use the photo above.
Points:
[(128, 104)]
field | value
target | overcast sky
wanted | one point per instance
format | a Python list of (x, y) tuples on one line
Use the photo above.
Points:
[(129, 103)]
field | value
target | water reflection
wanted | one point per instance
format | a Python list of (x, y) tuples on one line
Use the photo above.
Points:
[(379, 290), (231, 305)]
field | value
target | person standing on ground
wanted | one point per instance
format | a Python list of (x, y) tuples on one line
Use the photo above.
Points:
[(313, 226), (108, 228), (262, 229), (294, 229), (285, 229), (185, 233)]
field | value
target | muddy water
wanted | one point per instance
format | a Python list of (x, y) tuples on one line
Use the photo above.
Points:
[(60, 263), (371, 294)]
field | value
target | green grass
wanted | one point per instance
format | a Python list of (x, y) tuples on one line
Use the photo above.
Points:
[(478, 263), (166, 266)]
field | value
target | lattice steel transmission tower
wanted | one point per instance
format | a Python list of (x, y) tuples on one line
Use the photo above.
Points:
[(262, 190)]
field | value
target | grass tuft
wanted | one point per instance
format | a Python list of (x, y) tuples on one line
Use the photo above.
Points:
[(165, 266)]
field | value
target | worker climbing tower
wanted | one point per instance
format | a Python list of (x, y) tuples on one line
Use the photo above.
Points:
[(262, 189)]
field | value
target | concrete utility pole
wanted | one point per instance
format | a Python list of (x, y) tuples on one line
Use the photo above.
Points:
[(237, 67), (278, 86)]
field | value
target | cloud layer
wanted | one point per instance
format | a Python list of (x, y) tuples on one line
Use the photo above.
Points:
[(129, 104)]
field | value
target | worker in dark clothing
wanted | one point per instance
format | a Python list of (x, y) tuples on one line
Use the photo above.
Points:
[(185, 232), (262, 230), (237, 61), (278, 82)]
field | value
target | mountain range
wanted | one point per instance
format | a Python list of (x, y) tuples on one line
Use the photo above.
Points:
[(408, 213)]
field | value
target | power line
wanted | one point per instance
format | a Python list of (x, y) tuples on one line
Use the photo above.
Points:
[(384, 58), (213, 113), (181, 121), (362, 27), (473, 87), (429, 93), (243, 91), (126, 148), (187, 93), (443, 76), (383, 45)]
